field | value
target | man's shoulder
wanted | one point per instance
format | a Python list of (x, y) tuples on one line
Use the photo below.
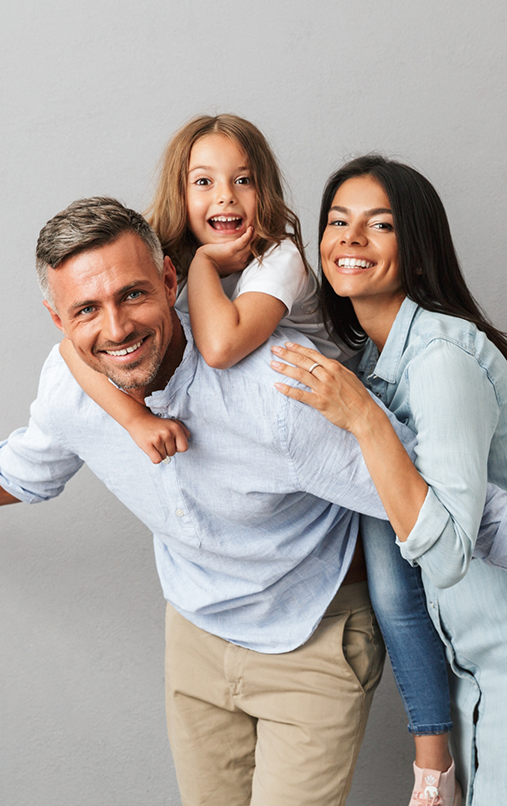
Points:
[(59, 396), (257, 365)]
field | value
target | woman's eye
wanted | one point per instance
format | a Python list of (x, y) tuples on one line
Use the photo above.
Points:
[(337, 222), (383, 225)]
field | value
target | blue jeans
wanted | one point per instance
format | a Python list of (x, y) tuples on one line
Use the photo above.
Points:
[(415, 650)]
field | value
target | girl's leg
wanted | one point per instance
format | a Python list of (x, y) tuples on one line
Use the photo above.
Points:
[(415, 650)]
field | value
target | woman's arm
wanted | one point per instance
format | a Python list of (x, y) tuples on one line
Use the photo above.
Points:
[(225, 330), (343, 400), (157, 437), (455, 413)]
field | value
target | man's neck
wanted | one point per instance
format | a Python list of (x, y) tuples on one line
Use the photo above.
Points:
[(169, 365)]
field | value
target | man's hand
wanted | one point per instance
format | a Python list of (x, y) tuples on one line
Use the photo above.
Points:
[(7, 498)]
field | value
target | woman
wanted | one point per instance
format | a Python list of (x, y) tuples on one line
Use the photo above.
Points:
[(391, 282)]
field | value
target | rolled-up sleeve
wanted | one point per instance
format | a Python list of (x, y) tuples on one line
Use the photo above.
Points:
[(455, 413), (34, 464)]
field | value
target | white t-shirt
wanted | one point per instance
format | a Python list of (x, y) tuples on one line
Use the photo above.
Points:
[(282, 274)]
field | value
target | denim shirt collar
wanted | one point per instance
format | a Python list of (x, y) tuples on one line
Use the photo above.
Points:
[(385, 365)]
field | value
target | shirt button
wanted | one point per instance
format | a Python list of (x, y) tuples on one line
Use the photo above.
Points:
[(179, 513), (378, 394), (432, 605)]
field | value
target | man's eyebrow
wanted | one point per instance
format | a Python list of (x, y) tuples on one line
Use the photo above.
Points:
[(124, 290), (367, 213)]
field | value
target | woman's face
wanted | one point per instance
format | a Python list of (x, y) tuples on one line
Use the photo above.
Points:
[(359, 250)]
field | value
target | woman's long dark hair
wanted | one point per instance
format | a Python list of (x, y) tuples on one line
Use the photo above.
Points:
[(429, 269)]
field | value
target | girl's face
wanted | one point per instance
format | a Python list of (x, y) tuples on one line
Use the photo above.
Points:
[(221, 199), (359, 250)]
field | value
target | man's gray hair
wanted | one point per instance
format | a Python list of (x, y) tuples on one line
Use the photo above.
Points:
[(89, 224)]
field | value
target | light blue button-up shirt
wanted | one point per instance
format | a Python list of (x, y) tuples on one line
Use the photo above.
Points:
[(448, 383), (254, 526)]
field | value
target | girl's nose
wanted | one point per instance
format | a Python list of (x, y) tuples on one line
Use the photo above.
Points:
[(225, 194)]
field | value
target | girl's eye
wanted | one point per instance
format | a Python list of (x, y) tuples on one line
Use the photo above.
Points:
[(243, 180), (202, 181)]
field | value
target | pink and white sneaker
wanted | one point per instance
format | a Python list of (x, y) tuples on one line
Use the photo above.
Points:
[(435, 788)]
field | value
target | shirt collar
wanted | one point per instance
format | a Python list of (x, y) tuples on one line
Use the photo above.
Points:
[(386, 364), (183, 373)]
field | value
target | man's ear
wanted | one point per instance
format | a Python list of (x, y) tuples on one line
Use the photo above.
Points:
[(54, 316), (170, 280)]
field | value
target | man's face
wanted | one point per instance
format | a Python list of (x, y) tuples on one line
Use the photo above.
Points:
[(117, 311)]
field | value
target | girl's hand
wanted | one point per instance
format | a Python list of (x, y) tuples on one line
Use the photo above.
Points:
[(231, 256), (335, 391), (159, 438)]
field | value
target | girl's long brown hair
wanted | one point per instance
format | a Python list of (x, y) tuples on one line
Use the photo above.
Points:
[(274, 220)]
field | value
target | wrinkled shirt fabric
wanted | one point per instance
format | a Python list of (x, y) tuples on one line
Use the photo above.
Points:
[(254, 526)]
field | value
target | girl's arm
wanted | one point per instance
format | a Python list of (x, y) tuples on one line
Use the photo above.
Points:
[(225, 330), (343, 400), (157, 437)]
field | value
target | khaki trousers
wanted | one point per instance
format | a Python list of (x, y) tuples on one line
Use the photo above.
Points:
[(251, 729)]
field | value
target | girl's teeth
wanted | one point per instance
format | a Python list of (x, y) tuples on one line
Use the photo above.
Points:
[(225, 218)]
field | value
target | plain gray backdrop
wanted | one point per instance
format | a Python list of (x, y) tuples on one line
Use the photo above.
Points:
[(91, 92)]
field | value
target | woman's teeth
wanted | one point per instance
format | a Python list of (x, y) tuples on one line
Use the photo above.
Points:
[(352, 263)]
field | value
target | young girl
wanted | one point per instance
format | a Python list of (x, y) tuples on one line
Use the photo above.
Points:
[(221, 217), (220, 214)]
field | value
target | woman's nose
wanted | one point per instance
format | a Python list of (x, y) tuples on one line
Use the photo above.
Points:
[(354, 236)]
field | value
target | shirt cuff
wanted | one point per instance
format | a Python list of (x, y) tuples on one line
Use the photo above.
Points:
[(430, 523)]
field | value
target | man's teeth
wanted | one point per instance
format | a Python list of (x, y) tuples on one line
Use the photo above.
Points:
[(352, 263), (126, 351)]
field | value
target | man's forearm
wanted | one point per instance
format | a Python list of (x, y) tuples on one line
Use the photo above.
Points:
[(7, 498)]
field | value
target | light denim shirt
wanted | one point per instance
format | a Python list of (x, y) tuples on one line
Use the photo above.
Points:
[(254, 526), (448, 383)]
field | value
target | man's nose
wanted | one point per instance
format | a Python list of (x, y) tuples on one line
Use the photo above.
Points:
[(116, 324)]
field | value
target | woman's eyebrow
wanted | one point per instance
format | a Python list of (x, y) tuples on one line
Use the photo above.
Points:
[(374, 211)]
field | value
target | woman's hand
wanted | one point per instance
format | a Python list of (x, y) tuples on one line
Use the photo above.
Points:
[(335, 391), (228, 257)]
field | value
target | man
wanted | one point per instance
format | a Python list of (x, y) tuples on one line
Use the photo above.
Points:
[(273, 653)]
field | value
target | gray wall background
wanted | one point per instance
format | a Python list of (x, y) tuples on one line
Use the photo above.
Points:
[(90, 94)]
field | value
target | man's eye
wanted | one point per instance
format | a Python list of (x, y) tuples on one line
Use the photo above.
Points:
[(134, 295), (202, 181), (85, 311)]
